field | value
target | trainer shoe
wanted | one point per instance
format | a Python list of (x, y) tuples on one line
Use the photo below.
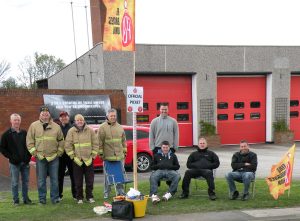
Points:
[(105, 195), (245, 197), (234, 195), (155, 199), (80, 202), (91, 200), (212, 196), (184, 196), (167, 196)]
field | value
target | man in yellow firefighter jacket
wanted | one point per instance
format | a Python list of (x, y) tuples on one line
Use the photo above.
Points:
[(112, 144), (45, 141), (82, 147)]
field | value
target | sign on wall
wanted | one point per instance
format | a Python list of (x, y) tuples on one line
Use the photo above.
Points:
[(135, 99), (92, 107)]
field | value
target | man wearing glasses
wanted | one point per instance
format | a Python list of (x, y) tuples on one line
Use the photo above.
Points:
[(201, 162)]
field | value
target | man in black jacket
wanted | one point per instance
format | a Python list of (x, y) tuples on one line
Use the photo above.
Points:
[(244, 164), (201, 163), (13, 147), (164, 166), (65, 161)]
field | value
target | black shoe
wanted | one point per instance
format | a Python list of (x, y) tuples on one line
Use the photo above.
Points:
[(184, 196), (212, 196), (16, 203), (235, 195), (42, 202), (27, 201), (245, 197)]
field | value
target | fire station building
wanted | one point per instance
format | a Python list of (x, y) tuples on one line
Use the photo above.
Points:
[(241, 90)]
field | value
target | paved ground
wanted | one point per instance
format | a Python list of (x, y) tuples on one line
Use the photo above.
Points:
[(268, 154)]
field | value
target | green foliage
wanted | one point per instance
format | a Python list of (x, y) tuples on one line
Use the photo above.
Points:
[(207, 129), (198, 202), (280, 126), (40, 67), (10, 83)]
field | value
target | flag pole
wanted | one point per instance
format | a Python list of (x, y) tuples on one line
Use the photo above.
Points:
[(292, 171), (135, 181)]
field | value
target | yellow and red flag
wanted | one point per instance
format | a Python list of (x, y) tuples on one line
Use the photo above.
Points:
[(119, 26), (280, 178)]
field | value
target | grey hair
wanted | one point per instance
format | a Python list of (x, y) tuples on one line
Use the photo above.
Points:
[(112, 110), (14, 115)]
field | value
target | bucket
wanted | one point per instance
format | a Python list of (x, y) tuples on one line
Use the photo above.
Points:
[(140, 206)]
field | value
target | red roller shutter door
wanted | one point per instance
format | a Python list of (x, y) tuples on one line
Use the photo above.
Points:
[(294, 106), (175, 90), (241, 109)]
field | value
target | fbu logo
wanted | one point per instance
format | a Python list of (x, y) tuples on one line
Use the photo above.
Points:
[(126, 27)]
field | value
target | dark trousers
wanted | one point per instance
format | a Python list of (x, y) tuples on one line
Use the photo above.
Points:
[(65, 162), (88, 172), (193, 173)]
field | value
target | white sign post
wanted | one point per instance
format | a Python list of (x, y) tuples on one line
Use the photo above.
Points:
[(134, 104)]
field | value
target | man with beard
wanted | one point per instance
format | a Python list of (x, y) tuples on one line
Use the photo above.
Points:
[(244, 164)]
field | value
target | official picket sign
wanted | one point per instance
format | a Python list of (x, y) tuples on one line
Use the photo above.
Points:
[(135, 99)]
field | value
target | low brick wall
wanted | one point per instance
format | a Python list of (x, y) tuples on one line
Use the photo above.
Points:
[(27, 102)]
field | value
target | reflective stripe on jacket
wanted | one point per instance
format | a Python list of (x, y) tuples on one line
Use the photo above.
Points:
[(82, 145), (112, 141), (48, 143)]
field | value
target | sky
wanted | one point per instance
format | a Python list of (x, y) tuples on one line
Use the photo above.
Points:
[(45, 26)]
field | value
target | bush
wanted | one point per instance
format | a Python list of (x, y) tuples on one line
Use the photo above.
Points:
[(281, 126), (207, 129)]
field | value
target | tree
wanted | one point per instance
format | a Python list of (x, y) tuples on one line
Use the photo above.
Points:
[(4, 68), (42, 66), (10, 83)]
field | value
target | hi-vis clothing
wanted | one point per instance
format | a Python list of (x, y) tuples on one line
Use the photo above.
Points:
[(112, 141), (82, 146), (48, 143)]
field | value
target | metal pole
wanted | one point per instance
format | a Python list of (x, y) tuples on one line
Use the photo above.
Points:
[(135, 181)]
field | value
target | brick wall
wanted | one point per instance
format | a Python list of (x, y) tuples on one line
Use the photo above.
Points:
[(27, 104)]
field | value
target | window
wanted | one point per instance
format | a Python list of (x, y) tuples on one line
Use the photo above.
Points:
[(129, 134), (254, 104), (158, 104), (142, 118), (142, 134), (239, 105), (294, 103), (222, 116), (222, 105), (182, 105), (294, 114), (254, 116), (239, 116), (145, 106), (182, 117)]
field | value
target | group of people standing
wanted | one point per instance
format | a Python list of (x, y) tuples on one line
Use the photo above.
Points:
[(200, 163), (57, 147)]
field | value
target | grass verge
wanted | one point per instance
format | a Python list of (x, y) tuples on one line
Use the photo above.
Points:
[(197, 202)]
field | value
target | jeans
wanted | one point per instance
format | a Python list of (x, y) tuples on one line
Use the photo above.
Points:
[(88, 173), (193, 173), (42, 167), (15, 170), (170, 175), (242, 177)]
